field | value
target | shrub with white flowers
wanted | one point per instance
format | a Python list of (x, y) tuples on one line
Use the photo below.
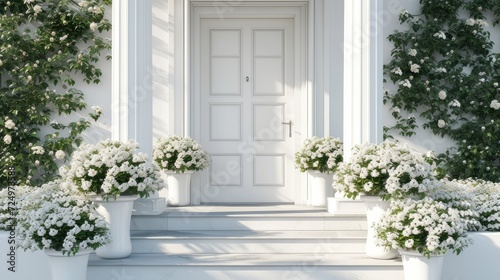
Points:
[(486, 199), (56, 217), (8, 205), (388, 170), (179, 154), (444, 70), (320, 153), (46, 46), (427, 226), (112, 168), (458, 195)]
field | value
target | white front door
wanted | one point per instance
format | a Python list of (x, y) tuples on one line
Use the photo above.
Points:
[(248, 119)]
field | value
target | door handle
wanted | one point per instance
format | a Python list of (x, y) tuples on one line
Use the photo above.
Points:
[(289, 127)]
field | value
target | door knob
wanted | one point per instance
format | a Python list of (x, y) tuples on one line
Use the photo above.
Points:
[(289, 127)]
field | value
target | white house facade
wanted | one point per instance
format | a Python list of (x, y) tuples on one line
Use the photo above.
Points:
[(249, 80)]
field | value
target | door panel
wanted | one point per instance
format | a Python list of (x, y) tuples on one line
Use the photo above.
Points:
[(246, 106)]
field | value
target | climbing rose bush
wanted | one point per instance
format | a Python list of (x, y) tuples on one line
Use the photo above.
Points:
[(443, 76), (46, 46)]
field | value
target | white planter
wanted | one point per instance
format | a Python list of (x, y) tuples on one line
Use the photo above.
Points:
[(319, 184), (23, 265), (117, 214), (478, 261), (64, 267), (375, 208), (419, 267), (179, 188)]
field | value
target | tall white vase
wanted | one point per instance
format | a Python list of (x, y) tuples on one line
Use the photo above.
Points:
[(418, 267), (179, 188), (375, 209), (117, 214), (64, 267), (319, 184)]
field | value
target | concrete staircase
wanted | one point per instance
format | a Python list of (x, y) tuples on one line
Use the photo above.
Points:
[(247, 242)]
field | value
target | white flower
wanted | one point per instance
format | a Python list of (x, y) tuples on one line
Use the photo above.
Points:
[(1, 62), (440, 35), (37, 9), (415, 68), (93, 26), (454, 103), (7, 139), (412, 52), (60, 154), (97, 109), (397, 71), (405, 83), (482, 23), (38, 150), (9, 124), (470, 22), (441, 123), (441, 70), (495, 104), (442, 94)]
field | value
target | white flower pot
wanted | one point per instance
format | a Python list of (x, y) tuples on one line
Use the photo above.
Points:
[(319, 183), (17, 264), (375, 209), (64, 267), (117, 214), (419, 267), (179, 188)]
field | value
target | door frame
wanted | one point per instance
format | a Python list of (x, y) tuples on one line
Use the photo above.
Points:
[(302, 12)]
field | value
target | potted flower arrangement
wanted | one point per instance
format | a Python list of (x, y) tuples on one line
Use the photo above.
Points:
[(65, 224), (378, 173), (423, 231), (179, 157), (319, 157), (479, 261), (114, 173)]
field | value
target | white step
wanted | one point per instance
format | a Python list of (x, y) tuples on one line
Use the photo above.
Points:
[(256, 242), (255, 218), (247, 242), (245, 267)]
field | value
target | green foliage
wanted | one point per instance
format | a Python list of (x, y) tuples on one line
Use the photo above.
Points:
[(44, 47), (447, 73)]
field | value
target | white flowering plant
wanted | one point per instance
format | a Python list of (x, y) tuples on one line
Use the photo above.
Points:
[(389, 170), (47, 47), (179, 154), (57, 217), (112, 168), (456, 194), (427, 226), (485, 197), (322, 154), (8, 205), (443, 76)]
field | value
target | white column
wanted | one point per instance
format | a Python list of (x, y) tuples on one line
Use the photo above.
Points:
[(120, 73), (132, 92), (362, 73), (132, 73), (362, 118)]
